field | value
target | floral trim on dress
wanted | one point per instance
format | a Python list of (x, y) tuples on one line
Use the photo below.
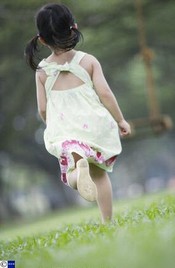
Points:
[(67, 163)]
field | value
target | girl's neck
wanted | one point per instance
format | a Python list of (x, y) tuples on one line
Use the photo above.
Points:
[(61, 56)]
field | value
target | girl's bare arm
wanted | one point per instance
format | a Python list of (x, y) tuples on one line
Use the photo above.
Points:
[(41, 95), (107, 97)]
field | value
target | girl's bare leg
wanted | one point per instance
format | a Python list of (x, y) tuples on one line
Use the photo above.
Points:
[(103, 184), (104, 189)]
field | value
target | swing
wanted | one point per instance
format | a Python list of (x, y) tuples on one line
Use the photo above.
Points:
[(156, 122)]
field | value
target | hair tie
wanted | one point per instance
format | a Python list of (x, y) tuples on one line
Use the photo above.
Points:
[(74, 26)]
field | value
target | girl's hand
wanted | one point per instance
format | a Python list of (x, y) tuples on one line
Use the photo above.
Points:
[(125, 128)]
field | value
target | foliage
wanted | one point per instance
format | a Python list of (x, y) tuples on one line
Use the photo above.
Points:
[(141, 235)]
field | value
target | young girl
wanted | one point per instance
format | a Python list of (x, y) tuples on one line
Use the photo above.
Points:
[(81, 113)]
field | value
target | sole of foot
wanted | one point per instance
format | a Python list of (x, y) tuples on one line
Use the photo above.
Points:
[(85, 185)]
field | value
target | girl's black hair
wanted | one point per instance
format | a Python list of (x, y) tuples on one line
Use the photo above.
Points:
[(56, 27)]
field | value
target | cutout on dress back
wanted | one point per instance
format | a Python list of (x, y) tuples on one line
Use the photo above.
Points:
[(66, 80)]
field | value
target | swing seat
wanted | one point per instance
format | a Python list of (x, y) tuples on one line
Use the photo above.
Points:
[(151, 125)]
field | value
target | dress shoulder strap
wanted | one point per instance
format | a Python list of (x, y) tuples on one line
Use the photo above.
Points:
[(78, 70), (78, 57)]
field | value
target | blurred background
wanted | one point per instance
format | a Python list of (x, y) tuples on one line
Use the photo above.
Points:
[(134, 41)]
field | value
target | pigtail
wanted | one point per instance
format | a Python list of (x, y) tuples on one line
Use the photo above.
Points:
[(77, 34), (31, 50)]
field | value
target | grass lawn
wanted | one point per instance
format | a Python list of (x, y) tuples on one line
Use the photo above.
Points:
[(142, 235)]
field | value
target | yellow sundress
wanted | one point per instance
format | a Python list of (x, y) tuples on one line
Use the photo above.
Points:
[(77, 121)]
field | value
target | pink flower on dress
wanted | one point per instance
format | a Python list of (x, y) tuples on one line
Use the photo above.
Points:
[(85, 126), (98, 154), (110, 161), (61, 116), (77, 145), (99, 157), (63, 160), (63, 166), (112, 124)]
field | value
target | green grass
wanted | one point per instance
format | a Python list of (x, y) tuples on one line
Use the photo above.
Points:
[(142, 235)]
